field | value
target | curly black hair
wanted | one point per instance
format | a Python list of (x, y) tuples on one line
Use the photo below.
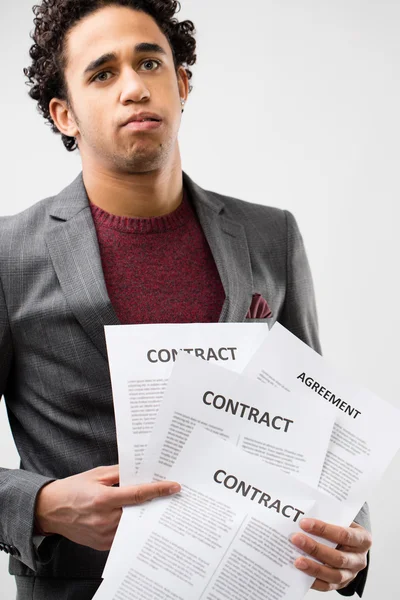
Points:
[(54, 19)]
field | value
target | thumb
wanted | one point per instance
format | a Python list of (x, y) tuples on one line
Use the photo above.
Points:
[(107, 475)]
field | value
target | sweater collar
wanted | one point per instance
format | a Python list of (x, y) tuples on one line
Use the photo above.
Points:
[(73, 198)]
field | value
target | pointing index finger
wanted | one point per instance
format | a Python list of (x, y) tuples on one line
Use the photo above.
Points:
[(138, 494), (354, 537)]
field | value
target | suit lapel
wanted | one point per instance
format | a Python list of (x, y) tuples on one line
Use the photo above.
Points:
[(228, 244), (73, 247)]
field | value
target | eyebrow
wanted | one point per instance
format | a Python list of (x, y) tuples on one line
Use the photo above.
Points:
[(142, 48)]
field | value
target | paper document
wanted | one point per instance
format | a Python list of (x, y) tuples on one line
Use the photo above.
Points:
[(141, 358), (226, 535), (266, 422), (365, 436)]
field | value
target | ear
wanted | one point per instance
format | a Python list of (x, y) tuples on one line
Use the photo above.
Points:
[(63, 117), (183, 83)]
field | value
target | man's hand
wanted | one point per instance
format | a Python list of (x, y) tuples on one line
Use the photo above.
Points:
[(86, 509), (341, 565)]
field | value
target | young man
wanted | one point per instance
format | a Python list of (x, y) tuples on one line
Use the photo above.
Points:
[(132, 240)]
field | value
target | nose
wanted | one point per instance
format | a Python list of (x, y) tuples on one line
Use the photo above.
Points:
[(133, 87)]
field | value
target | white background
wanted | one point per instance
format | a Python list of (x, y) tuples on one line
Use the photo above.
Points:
[(295, 105)]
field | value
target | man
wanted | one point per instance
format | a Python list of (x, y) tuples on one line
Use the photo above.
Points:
[(132, 240)]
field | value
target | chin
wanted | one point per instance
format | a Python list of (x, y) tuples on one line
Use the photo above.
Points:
[(139, 164)]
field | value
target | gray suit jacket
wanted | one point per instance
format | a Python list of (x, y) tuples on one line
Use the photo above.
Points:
[(53, 360)]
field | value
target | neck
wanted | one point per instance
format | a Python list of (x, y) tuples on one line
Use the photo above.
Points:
[(142, 195)]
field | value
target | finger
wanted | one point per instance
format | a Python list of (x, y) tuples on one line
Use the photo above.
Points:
[(107, 475), (324, 573), (339, 559), (354, 537), (138, 494), (323, 586), (351, 549)]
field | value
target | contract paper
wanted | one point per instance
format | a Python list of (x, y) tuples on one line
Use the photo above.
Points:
[(226, 535), (141, 358), (365, 436), (266, 422)]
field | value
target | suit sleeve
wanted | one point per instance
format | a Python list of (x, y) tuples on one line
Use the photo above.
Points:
[(18, 488), (299, 315), (358, 585)]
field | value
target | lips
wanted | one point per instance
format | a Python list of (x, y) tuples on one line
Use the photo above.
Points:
[(142, 125), (143, 118)]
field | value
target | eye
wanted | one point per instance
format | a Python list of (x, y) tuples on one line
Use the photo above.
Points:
[(100, 76), (150, 62), (96, 77)]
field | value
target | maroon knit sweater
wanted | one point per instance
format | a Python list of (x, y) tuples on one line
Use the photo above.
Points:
[(159, 270)]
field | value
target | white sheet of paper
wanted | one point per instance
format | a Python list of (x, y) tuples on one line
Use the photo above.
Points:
[(365, 437), (287, 432), (141, 358), (225, 535)]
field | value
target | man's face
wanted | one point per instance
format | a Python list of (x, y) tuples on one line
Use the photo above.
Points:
[(135, 81)]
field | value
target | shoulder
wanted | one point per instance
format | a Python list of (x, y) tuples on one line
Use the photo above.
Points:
[(264, 219), (33, 215), (24, 230), (250, 209)]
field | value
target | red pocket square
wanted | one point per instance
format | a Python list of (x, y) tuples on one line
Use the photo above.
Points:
[(259, 308)]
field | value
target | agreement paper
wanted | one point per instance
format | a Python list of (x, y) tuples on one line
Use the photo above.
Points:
[(226, 535), (365, 436), (266, 422), (141, 358)]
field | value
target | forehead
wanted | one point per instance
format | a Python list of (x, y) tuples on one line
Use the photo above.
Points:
[(111, 29)]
